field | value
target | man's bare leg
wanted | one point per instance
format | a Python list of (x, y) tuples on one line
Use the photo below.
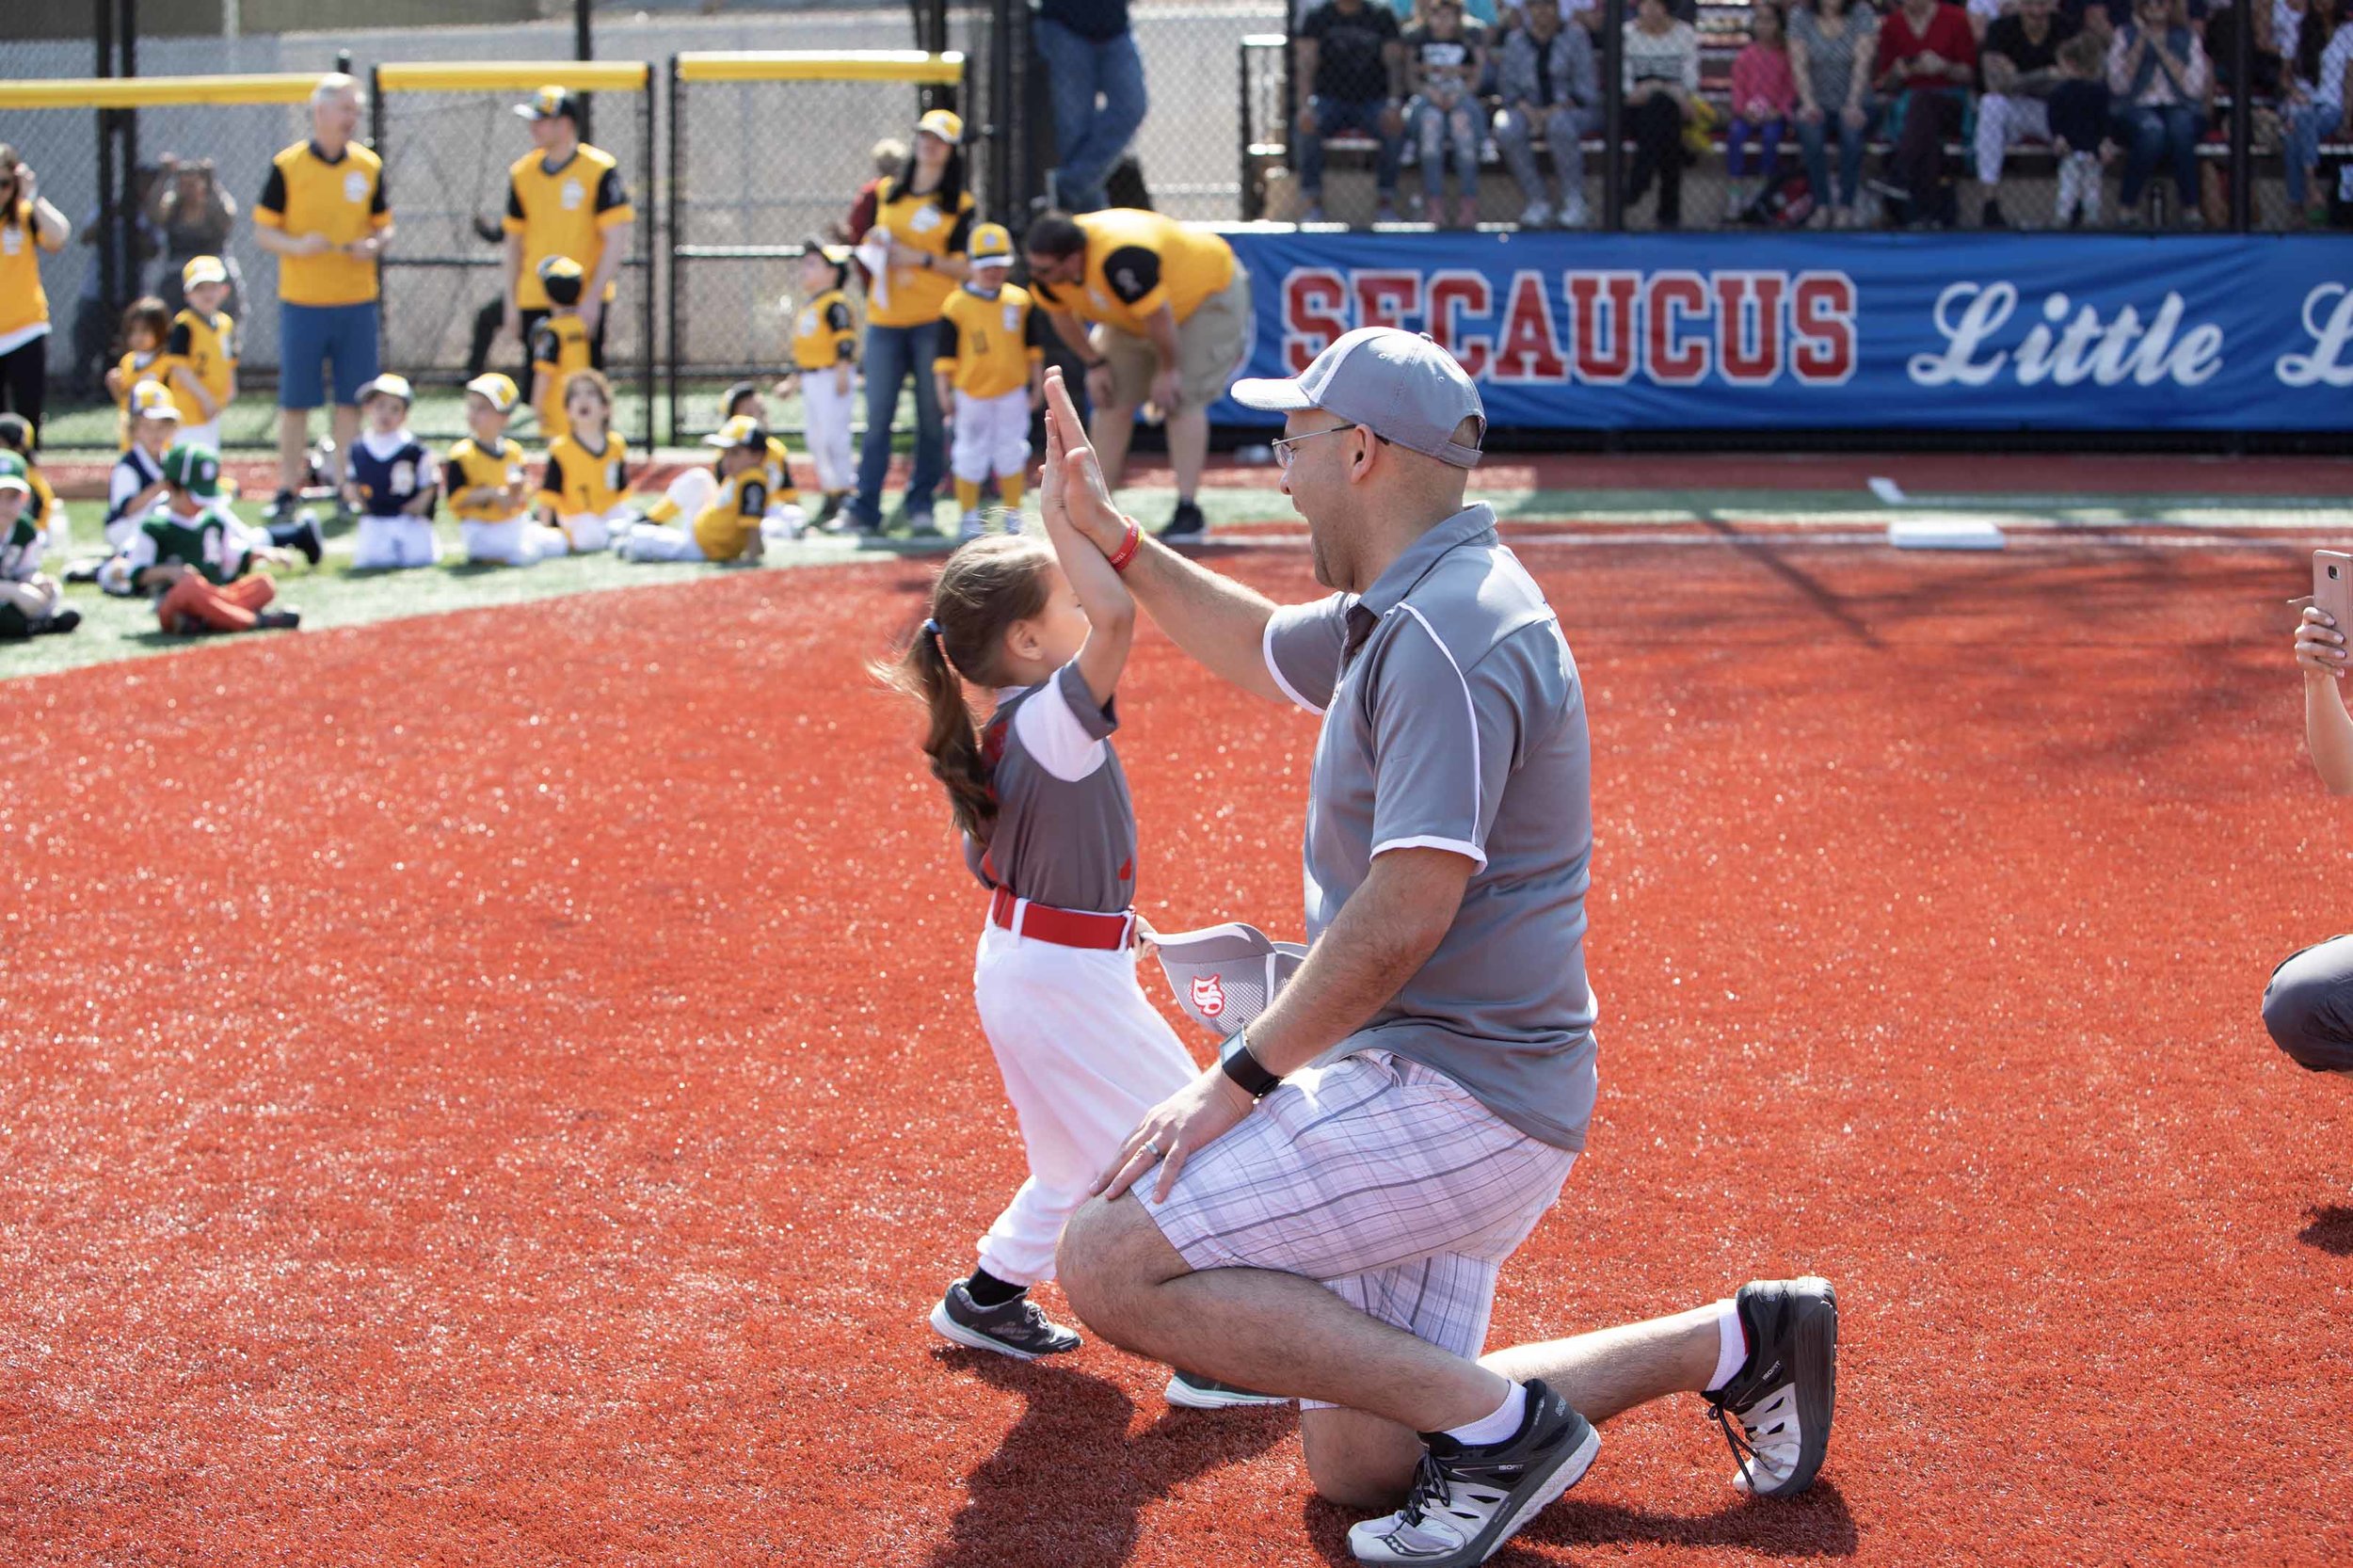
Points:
[(1188, 448), (294, 439), (1109, 433), (347, 433)]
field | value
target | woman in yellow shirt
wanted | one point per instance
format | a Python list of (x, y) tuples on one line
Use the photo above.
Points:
[(922, 220), (29, 224)]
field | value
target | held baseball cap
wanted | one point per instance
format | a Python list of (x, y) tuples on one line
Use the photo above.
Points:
[(944, 123), (12, 475), (202, 269), (193, 469), (153, 400), (1399, 385), (498, 390), (550, 102), (990, 246), (388, 385), (741, 430)]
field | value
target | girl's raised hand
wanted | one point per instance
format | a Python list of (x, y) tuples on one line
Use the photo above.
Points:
[(1085, 499)]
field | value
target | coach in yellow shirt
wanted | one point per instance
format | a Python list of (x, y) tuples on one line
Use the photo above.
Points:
[(564, 198), (29, 224), (1170, 313), (323, 214)]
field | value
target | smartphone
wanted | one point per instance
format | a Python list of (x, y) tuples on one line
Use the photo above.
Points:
[(2333, 587)]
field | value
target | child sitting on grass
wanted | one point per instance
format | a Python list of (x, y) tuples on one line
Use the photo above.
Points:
[(584, 490), (198, 558), (31, 604), (16, 434), (394, 482), (727, 503), (485, 482)]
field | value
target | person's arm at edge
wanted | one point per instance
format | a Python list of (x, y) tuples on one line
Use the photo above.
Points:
[(2328, 727), (1073, 331)]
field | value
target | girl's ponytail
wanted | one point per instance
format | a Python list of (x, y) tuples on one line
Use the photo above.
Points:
[(950, 739)]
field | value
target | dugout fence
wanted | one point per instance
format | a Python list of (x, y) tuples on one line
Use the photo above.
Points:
[(448, 134), (768, 150)]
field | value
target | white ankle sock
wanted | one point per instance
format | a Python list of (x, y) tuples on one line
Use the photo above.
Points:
[(1732, 1345), (1498, 1426)]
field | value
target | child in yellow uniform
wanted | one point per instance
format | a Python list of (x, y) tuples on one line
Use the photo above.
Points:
[(145, 325), (559, 343), (824, 367), (992, 376), (484, 480), (202, 352), (726, 503), (16, 434), (584, 490)]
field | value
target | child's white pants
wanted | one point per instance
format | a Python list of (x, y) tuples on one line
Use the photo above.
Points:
[(827, 413), (384, 542), (992, 435)]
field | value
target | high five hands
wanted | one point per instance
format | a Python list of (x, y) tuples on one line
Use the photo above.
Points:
[(1073, 491)]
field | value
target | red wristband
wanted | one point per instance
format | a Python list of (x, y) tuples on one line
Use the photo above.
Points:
[(1127, 547)]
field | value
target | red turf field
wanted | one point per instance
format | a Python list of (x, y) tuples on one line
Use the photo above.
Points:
[(504, 1088)]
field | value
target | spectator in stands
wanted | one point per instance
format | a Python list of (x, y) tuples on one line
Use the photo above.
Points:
[(1353, 57), (2319, 100), (30, 223), (2158, 74), (927, 214), (2080, 122), (1172, 308), (2018, 63), (323, 214), (565, 197), (1926, 59), (1445, 60), (1095, 78), (1764, 96), (197, 217), (1547, 78), (1661, 80), (1830, 46)]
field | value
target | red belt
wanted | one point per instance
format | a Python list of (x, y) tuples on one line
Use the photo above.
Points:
[(1068, 928)]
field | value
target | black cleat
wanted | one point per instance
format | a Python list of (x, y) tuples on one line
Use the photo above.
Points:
[(276, 620), (1991, 218), (1191, 1391), (63, 621), (303, 535), (1018, 1328), (1185, 523), (1467, 1501), (281, 506), (1782, 1395)]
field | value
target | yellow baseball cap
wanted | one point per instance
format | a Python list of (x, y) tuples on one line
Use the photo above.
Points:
[(742, 430), (499, 390), (944, 123), (202, 269), (991, 246), (153, 400)]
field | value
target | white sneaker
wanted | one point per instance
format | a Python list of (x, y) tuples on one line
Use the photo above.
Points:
[(972, 526), (1466, 1502), (1572, 214), (1536, 215)]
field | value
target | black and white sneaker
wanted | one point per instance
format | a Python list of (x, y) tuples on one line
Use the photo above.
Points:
[(1782, 1395), (1018, 1328), (1191, 1391), (1467, 1501), (1186, 523)]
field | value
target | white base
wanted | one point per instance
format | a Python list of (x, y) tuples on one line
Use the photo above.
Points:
[(1944, 534)]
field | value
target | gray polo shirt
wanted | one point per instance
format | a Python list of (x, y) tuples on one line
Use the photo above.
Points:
[(1066, 831), (1453, 719)]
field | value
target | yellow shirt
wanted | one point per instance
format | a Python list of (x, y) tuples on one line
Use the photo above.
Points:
[(341, 198), (41, 508), (732, 516), (1138, 262), (580, 481), (991, 343), (134, 368), (472, 464), (559, 346), (912, 296), (23, 303), (564, 214), (824, 334), (208, 351)]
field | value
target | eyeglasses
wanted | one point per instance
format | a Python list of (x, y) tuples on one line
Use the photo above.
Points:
[(1283, 453)]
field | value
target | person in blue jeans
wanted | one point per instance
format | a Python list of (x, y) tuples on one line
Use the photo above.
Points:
[(1095, 79), (1354, 56), (2157, 70)]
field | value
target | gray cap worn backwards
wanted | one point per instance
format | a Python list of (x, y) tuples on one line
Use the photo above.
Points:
[(1399, 385)]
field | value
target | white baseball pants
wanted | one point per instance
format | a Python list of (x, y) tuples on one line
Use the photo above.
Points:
[(517, 542), (382, 543), (827, 413), (1085, 1056), (2002, 123), (591, 532), (992, 435)]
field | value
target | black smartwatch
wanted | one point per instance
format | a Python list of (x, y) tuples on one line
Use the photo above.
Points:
[(1246, 1069)]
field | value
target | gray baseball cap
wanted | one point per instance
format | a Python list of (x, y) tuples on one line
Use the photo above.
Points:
[(1399, 385)]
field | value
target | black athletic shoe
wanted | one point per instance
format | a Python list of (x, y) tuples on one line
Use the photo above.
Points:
[(1186, 523), (1467, 1501), (1191, 1391), (1991, 218), (276, 620), (280, 506), (63, 621), (1018, 1328), (1782, 1395), (826, 513), (304, 535)]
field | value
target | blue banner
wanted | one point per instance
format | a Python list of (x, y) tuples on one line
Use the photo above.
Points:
[(1746, 329)]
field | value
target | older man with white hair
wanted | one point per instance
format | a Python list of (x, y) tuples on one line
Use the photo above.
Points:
[(1332, 1203), (324, 217)]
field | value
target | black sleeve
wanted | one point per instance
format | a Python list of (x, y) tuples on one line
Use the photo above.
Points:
[(752, 500), (960, 238), (837, 318), (552, 479), (543, 349), (1132, 271), (1317, 23), (181, 339), (274, 192), (1033, 331), (611, 193), (513, 201), (378, 205)]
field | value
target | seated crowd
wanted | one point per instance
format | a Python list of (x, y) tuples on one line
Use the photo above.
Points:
[(2133, 88)]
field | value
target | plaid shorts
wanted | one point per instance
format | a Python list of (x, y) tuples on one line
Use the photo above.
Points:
[(1379, 1177)]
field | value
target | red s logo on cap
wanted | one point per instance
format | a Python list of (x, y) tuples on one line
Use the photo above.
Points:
[(1208, 994)]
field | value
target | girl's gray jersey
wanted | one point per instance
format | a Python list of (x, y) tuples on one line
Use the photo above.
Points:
[(1066, 831)]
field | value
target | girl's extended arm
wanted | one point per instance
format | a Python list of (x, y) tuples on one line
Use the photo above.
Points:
[(1110, 610)]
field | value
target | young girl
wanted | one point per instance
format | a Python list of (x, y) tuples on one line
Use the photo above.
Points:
[(145, 325), (1764, 96), (825, 366), (1042, 806), (584, 488)]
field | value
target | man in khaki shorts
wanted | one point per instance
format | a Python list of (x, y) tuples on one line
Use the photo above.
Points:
[(1334, 1200), (1172, 311)]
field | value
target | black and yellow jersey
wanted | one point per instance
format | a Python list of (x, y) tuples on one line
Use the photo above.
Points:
[(824, 333), (991, 343), (342, 198), (577, 480), (1138, 262), (472, 466), (911, 295), (559, 347), (563, 211), (22, 304), (207, 349), (730, 518)]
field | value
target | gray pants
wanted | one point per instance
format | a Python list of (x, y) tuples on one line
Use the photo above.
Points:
[(1564, 133), (2309, 1006)]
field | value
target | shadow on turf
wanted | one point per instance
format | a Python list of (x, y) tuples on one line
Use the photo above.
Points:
[(2330, 1230), (1815, 1525), (1067, 1484)]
